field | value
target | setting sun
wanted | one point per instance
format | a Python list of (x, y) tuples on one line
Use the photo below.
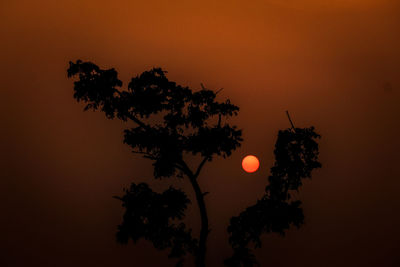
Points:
[(250, 163)]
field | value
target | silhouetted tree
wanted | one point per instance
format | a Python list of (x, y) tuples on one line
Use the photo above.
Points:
[(173, 122), (188, 123), (296, 155)]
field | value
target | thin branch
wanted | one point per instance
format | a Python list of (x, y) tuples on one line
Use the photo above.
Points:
[(148, 155), (139, 122), (219, 90), (186, 169), (179, 167), (204, 88), (200, 166), (290, 120), (132, 117)]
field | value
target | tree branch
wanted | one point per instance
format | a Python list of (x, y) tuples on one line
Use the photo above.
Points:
[(186, 169), (132, 117), (200, 166), (179, 167), (139, 122), (290, 120), (148, 155), (219, 91)]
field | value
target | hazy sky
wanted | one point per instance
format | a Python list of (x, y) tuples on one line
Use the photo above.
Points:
[(333, 64)]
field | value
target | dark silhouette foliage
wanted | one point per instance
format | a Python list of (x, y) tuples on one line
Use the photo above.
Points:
[(185, 126), (173, 122), (296, 155), (152, 216)]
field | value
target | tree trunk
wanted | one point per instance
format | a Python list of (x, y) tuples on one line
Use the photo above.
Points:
[(200, 256)]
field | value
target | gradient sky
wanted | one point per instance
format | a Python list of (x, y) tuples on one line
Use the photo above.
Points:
[(333, 64)]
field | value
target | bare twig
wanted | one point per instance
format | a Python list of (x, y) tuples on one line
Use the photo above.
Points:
[(147, 155), (201, 166), (290, 120), (219, 90)]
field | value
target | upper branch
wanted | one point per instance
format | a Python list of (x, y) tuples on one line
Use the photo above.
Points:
[(186, 169), (200, 166), (147, 155), (290, 120), (139, 122)]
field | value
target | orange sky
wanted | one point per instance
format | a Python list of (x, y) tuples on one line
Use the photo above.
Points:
[(332, 64)]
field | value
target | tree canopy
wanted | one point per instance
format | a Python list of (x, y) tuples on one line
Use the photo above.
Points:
[(173, 122), (191, 122)]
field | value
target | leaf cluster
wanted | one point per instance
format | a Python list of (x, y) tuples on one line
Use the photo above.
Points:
[(188, 122), (154, 216)]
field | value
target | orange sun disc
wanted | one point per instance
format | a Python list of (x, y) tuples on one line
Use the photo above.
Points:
[(250, 163)]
